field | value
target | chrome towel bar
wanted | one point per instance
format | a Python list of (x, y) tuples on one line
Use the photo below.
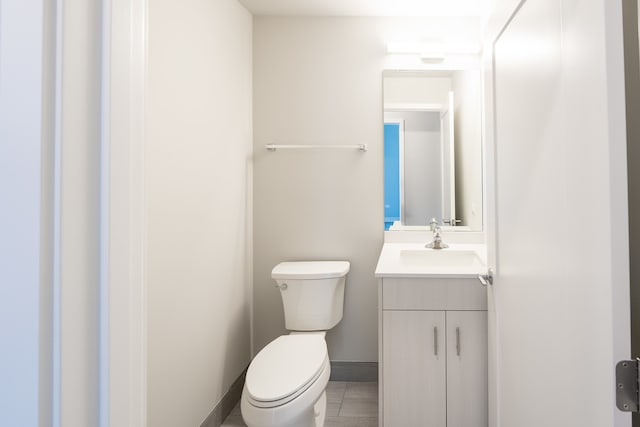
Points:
[(274, 147)]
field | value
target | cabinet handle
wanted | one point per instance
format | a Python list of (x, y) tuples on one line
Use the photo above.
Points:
[(458, 341), (435, 340)]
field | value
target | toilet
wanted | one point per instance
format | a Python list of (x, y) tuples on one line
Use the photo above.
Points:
[(286, 381)]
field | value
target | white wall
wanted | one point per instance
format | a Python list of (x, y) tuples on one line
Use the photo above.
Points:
[(199, 204), (319, 81), (418, 90), (467, 87)]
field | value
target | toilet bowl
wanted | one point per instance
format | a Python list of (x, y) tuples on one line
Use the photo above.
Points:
[(286, 381)]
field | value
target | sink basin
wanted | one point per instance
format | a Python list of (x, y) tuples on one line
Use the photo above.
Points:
[(414, 260), (440, 258)]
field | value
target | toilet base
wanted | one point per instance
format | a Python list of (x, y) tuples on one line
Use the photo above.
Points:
[(314, 417), (320, 409)]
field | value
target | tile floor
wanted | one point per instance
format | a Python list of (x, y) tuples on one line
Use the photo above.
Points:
[(349, 404)]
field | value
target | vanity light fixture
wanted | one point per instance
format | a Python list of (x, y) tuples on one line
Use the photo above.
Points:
[(432, 57)]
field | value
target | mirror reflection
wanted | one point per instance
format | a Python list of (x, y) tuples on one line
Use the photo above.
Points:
[(432, 149)]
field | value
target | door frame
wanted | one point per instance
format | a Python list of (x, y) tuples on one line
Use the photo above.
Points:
[(450, 168), (123, 322)]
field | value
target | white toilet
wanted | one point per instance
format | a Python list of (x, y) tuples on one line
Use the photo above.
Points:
[(286, 381)]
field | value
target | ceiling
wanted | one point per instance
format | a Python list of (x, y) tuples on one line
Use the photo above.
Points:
[(418, 8)]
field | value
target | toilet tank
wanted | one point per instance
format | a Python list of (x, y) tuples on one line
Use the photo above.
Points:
[(312, 293)]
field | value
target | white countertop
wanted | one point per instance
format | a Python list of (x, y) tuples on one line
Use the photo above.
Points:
[(414, 260)]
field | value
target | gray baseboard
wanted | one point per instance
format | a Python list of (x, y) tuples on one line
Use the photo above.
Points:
[(226, 405), (354, 371)]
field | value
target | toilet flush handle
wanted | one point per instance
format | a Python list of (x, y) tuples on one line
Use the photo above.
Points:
[(282, 287)]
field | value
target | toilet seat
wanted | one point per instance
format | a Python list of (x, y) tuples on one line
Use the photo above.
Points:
[(286, 368)]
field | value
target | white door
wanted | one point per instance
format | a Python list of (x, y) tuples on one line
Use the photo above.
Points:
[(561, 290), (448, 161), (467, 369), (414, 357)]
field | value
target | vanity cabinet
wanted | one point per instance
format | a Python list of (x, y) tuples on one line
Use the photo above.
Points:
[(467, 404), (433, 352)]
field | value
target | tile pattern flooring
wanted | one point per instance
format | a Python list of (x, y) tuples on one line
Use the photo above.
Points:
[(349, 404)]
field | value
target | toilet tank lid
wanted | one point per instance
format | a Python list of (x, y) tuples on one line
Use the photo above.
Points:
[(310, 270)]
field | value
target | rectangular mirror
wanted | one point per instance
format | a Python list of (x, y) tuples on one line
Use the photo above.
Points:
[(433, 149)]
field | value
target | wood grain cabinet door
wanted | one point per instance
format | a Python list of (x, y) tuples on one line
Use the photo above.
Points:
[(467, 404), (414, 352)]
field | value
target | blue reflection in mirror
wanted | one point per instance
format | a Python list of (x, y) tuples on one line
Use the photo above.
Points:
[(391, 174)]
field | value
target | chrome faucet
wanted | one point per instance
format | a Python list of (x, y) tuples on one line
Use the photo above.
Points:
[(437, 242)]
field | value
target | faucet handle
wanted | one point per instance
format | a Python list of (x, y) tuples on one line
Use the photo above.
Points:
[(433, 224)]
